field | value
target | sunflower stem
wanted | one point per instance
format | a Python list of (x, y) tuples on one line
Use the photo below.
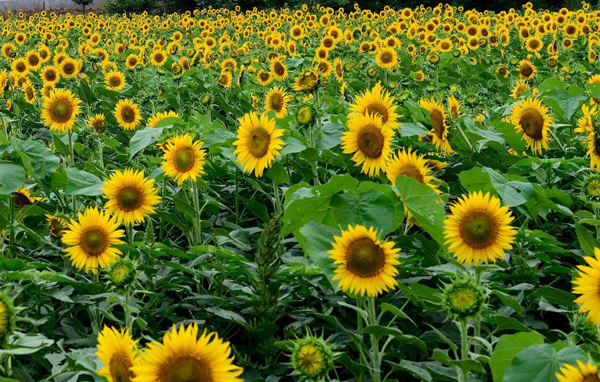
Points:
[(126, 309), (11, 236), (464, 138), (558, 142), (100, 151), (237, 199), (197, 236), (130, 233), (72, 165), (464, 348), (376, 356)]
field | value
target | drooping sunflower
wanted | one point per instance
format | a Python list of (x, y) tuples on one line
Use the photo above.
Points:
[(478, 229), (409, 163), (526, 69), (454, 107), (532, 120), (92, 240), (60, 110), (258, 143), (184, 159), (379, 102), (370, 142), (583, 372), (131, 196), (97, 123), (182, 356), (277, 100), (57, 225), (127, 114), (587, 285), (117, 351), (156, 118), (387, 58), (439, 124), (364, 265), (520, 87), (114, 80), (306, 81)]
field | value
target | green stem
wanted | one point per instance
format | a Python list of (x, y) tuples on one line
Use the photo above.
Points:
[(11, 236), (237, 199), (126, 309), (130, 233), (464, 348), (162, 206), (376, 356), (558, 142), (197, 236), (464, 137), (277, 202), (72, 165)]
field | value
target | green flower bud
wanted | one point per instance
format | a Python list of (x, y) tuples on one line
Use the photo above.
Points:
[(463, 298), (122, 273)]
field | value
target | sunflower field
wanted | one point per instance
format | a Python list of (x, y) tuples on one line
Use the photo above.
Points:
[(304, 194)]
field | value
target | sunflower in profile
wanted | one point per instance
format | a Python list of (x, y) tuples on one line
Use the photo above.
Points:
[(409, 163), (532, 120), (182, 356), (117, 351), (520, 87), (57, 225), (369, 140), (114, 80), (258, 143), (279, 70), (277, 100), (306, 81), (364, 265), (131, 196), (184, 159), (29, 92), (127, 114), (60, 110), (92, 240), (439, 124), (225, 79), (158, 58), (587, 285), (478, 229), (156, 118), (583, 372), (387, 59), (526, 69), (97, 122), (378, 102), (453, 107)]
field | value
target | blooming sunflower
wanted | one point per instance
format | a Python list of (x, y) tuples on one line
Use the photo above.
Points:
[(131, 196), (439, 124), (587, 285), (379, 102), (277, 100), (306, 81), (117, 351), (369, 140), (409, 163), (453, 106), (50, 75), (583, 372), (97, 123), (60, 110), (225, 79), (69, 68), (114, 80), (184, 159), (91, 240), (532, 120), (182, 356), (520, 87), (127, 114), (156, 118), (478, 229), (158, 58), (386, 59), (264, 78), (526, 69), (279, 70), (258, 143), (57, 225), (363, 264)]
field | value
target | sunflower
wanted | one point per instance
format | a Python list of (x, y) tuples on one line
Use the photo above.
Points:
[(338, 69), (386, 59), (587, 285), (279, 70), (277, 100), (50, 75), (114, 80), (583, 372), (225, 79), (258, 143), (478, 229), (409, 163), (184, 159), (439, 124), (378, 102), (364, 265), (534, 44), (33, 60), (69, 68), (156, 118), (158, 58), (127, 114), (454, 107), (3, 81), (57, 225), (369, 140), (60, 110), (131, 196), (29, 92), (520, 87), (306, 81), (182, 356), (132, 61), (117, 351), (97, 122), (264, 78), (20, 66), (532, 120), (526, 69), (91, 240)]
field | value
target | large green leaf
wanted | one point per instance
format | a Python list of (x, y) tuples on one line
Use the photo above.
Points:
[(12, 176), (318, 239), (540, 363), (36, 157), (508, 346), (77, 182), (143, 138)]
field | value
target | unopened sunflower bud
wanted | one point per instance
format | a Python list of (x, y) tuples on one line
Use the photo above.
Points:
[(464, 298)]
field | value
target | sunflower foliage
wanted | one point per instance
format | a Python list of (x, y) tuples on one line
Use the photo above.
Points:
[(300, 194)]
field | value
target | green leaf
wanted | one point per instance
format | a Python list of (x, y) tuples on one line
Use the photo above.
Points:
[(12, 177), (77, 182), (511, 137), (540, 363), (513, 193), (370, 209), (412, 129), (508, 300), (36, 157), (475, 179), (278, 174), (508, 346), (316, 244), (586, 240), (143, 138)]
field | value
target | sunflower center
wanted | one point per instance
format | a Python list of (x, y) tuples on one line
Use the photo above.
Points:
[(526, 70), (264, 76), (130, 198), (184, 160), (33, 60), (379, 110), (69, 68), (279, 69), (158, 58), (310, 359), (61, 111), (365, 258), (532, 123), (386, 58), (21, 67), (187, 369), (276, 102), (128, 114), (463, 298), (50, 75), (115, 81), (437, 122), (411, 171), (258, 143), (370, 141), (478, 229), (119, 368), (591, 378), (93, 241)]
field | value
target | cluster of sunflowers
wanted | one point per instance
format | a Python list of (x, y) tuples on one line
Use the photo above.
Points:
[(141, 118)]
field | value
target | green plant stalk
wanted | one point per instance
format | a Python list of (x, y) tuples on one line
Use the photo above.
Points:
[(277, 201), (464, 348), (464, 138), (162, 206), (197, 236), (375, 354), (11, 236), (558, 142), (130, 234), (100, 151), (126, 309), (72, 165), (237, 199)]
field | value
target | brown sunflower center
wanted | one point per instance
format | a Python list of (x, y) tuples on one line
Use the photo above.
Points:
[(21, 67), (115, 81), (128, 114), (276, 102), (386, 57), (98, 126), (119, 368), (130, 198), (437, 122), (591, 378), (132, 62), (61, 111), (264, 76), (379, 110), (365, 258), (33, 60), (279, 69), (258, 143), (69, 68), (184, 160), (532, 123), (526, 70), (186, 369), (411, 171), (93, 241), (50, 75), (478, 229), (21, 200), (158, 57), (371, 141)]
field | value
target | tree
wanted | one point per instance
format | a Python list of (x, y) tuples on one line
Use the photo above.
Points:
[(83, 3)]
